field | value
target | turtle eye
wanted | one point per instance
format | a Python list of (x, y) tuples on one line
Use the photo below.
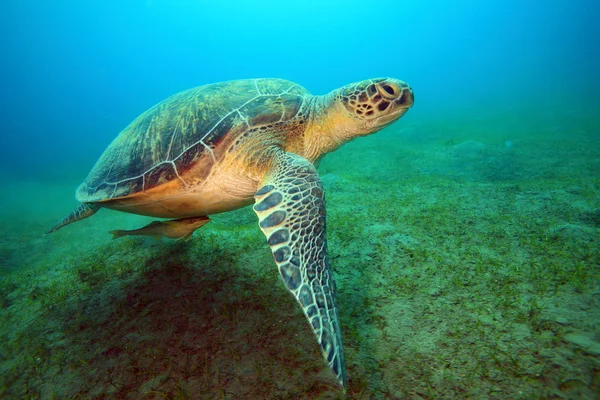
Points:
[(388, 89)]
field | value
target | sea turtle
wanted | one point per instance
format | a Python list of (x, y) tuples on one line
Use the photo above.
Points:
[(223, 146)]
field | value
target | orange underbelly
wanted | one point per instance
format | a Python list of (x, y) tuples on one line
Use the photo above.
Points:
[(171, 202)]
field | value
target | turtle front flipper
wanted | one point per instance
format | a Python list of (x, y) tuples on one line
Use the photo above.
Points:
[(82, 211), (291, 211)]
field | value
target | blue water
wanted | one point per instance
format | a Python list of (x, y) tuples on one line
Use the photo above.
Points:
[(75, 73)]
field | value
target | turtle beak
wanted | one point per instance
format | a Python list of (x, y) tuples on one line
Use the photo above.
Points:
[(406, 99), (393, 116), (402, 99)]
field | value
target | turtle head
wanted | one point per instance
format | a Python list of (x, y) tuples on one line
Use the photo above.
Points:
[(355, 110), (374, 104)]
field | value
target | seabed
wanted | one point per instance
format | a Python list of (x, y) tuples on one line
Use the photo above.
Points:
[(466, 253)]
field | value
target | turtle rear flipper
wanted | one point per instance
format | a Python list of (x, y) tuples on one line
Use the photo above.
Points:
[(82, 211), (291, 210)]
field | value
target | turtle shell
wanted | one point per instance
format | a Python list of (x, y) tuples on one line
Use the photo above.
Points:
[(171, 137)]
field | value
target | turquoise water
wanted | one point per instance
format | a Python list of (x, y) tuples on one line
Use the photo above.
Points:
[(464, 238)]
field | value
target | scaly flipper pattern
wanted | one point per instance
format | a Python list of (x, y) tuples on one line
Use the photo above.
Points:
[(82, 211), (291, 211)]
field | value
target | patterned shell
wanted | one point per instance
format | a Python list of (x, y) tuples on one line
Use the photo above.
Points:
[(171, 137)]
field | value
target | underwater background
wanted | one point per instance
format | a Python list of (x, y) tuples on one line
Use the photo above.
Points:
[(464, 239)]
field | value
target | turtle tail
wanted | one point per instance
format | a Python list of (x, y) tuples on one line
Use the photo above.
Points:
[(82, 211)]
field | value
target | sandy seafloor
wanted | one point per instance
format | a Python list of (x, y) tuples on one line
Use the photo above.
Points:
[(465, 249)]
